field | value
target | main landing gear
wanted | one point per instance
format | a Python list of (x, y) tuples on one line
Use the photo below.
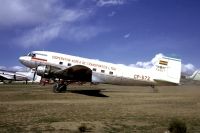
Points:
[(60, 87)]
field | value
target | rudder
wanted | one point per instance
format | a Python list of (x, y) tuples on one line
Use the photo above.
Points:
[(168, 70)]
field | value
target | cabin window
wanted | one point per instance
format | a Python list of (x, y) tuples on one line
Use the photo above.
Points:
[(60, 63), (103, 71), (94, 69), (69, 64), (111, 73)]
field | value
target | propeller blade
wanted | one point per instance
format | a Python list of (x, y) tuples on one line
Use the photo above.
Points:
[(14, 76), (34, 74)]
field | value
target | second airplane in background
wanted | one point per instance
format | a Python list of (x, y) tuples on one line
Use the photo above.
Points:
[(166, 71), (10, 76)]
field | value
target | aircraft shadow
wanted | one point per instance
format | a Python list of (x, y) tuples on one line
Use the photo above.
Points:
[(95, 93)]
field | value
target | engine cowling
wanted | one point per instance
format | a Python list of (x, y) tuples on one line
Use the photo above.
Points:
[(43, 71)]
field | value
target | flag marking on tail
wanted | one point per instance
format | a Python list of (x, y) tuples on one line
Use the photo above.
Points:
[(162, 62)]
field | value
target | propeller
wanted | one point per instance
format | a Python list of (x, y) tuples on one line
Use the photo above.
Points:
[(14, 77), (34, 73)]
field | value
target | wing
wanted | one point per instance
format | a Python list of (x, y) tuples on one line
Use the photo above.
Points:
[(6, 75), (77, 72), (12, 76)]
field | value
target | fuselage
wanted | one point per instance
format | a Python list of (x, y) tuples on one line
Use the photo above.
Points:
[(102, 72)]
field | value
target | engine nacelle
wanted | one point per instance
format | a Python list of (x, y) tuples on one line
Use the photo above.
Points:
[(43, 71)]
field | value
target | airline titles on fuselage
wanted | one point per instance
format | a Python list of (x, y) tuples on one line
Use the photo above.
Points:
[(136, 76), (84, 62)]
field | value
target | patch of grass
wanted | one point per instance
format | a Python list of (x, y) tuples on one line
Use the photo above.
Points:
[(40, 128), (36, 130), (128, 128), (3, 110), (10, 128), (49, 128), (34, 108), (48, 120)]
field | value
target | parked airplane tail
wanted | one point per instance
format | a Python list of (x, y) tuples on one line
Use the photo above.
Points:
[(195, 75), (167, 70)]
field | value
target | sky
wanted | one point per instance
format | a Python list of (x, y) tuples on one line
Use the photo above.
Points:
[(128, 32)]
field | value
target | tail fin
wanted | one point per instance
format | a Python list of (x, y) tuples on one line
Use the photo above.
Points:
[(168, 70)]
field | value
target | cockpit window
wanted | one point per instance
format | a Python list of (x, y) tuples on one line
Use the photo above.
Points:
[(31, 54)]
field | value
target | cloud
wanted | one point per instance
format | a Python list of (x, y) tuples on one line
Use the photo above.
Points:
[(127, 35), (23, 12), (40, 22), (148, 64), (40, 35), (17, 68), (71, 15), (102, 3), (82, 33), (2, 67), (145, 64), (64, 23), (13, 68), (188, 68), (111, 14), (110, 2), (44, 34)]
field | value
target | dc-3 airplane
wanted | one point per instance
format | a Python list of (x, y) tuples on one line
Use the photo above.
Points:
[(10, 76), (166, 71)]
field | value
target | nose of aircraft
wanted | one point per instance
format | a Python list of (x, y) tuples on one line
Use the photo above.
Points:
[(22, 59), (26, 61)]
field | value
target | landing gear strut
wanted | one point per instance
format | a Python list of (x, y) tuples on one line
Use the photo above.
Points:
[(59, 87)]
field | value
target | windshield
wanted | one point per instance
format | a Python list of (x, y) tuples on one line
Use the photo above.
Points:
[(31, 54)]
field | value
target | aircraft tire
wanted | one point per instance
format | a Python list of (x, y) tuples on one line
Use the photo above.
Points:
[(59, 88), (55, 88), (62, 88)]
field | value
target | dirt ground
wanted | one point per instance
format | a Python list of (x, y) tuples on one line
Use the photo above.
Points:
[(35, 108)]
